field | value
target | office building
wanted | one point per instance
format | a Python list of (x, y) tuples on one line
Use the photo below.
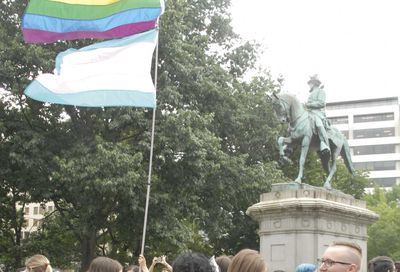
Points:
[(33, 215), (372, 127)]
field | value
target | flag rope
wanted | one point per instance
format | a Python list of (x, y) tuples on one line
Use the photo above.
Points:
[(151, 147)]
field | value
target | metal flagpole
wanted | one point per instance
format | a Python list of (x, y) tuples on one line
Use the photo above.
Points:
[(151, 150)]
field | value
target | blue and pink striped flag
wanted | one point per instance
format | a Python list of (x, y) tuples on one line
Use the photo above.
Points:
[(106, 74)]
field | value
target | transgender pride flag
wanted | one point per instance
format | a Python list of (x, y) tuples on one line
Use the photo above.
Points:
[(106, 74), (47, 21)]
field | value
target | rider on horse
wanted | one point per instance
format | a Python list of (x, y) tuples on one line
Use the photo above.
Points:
[(316, 105)]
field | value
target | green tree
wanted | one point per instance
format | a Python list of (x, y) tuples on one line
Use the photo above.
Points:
[(56, 240), (383, 238), (214, 150)]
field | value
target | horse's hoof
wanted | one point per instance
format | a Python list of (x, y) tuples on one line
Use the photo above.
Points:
[(283, 160)]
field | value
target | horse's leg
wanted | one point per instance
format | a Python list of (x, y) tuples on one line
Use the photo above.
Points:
[(305, 145), (325, 161), (336, 153)]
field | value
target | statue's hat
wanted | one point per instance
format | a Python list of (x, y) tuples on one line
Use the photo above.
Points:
[(314, 79)]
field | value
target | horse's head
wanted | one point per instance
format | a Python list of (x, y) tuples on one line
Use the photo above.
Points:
[(281, 109)]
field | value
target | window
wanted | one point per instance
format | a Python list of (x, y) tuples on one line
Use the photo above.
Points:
[(376, 166), (50, 208), (37, 222), (25, 235), (42, 210), (339, 120), (385, 182), (373, 133), (345, 133), (374, 149), (26, 210), (35, 210), (374, 117)]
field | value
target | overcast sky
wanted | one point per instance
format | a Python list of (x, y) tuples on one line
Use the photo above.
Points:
[(353, 45)]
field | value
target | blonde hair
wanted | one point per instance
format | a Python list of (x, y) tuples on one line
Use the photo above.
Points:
[(352, 245), (38, 263), (247, 260)]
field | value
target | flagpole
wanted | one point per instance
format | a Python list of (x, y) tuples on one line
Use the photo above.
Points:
[(151, 149)]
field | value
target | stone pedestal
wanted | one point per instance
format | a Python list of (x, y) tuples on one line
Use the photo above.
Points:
[(298, 221)]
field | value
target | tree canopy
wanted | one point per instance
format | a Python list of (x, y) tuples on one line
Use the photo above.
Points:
[(383, 234), (214, 151), (214, 148)]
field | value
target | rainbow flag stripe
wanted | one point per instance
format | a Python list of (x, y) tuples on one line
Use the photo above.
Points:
[(47, 21), (87, 2)]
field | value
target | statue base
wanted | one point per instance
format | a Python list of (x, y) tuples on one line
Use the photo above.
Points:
[(298, 221)]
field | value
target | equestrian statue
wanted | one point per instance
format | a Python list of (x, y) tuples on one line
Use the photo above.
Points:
[(309, 127)]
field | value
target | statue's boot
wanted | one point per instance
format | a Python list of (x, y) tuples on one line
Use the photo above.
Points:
[(324, 141), (324, 149)]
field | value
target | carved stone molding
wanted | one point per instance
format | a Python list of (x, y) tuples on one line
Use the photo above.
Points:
[(298, 221)]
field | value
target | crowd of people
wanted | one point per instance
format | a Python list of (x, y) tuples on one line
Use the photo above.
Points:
[(338, 257)]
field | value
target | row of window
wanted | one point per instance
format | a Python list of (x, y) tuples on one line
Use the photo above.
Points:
[(363, 104), (26, 234), (373, 133), (363, 118), (374, 149), (39, 210), (35, 222), (370, 133), (385, 182), (375, 166)]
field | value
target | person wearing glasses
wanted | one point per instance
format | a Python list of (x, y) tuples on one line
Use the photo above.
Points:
[(341, 256)]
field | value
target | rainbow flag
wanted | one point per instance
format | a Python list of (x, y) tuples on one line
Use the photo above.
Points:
[(47, 21), (106, 74)]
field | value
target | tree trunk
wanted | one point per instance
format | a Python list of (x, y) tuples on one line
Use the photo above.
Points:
[(88, 250)]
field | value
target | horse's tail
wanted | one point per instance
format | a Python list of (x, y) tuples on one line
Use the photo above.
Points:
[(346, 155)]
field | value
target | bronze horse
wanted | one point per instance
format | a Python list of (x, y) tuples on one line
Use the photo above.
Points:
[(289, 109)]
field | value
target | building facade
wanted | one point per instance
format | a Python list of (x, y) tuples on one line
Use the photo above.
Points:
[(372, 127), (33, 215)]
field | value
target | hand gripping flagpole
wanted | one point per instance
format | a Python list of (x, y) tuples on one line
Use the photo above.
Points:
[(151, 148)]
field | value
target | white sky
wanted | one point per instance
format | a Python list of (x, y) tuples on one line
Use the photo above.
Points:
[(353, 45)]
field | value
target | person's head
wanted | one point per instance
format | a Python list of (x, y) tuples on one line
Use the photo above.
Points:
[(314, 81), (381, 264), (104, 264), (223, 262), (397, 265), (306, 267), (247, 260), (38, 263), (131, 268), (341, 257), (192, 262)]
